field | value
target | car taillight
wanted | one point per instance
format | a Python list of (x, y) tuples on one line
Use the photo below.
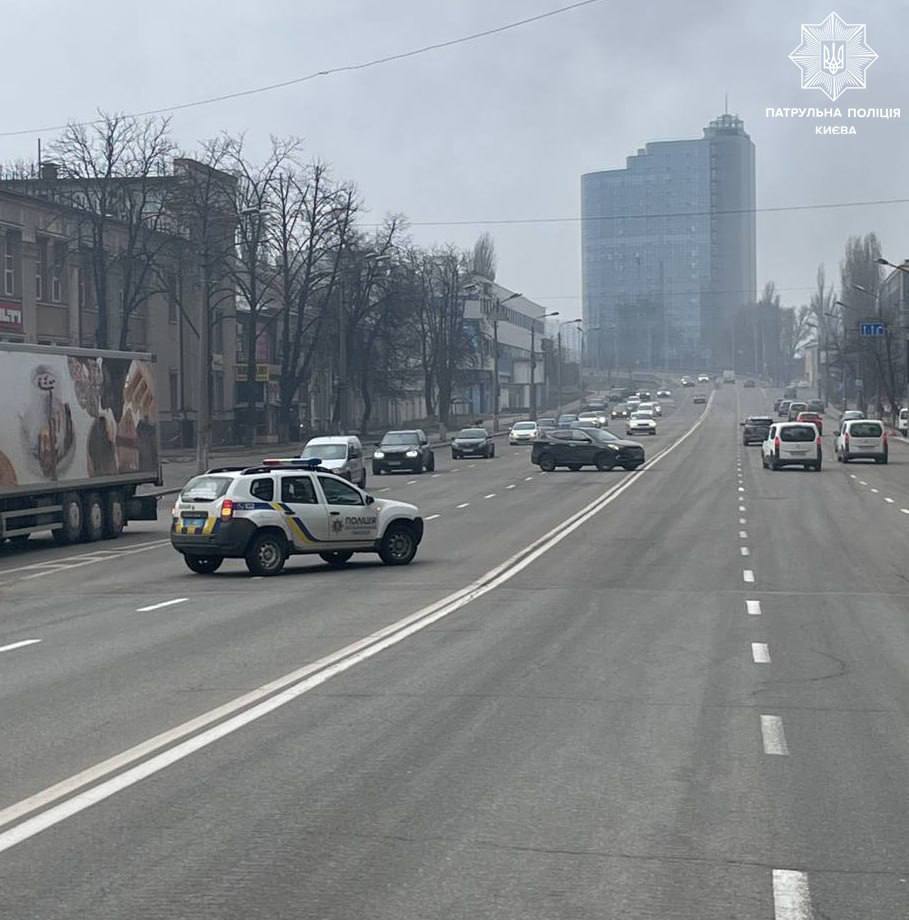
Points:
[(885, 438), (846, 438), (175, 511), (227, 509), (817, 440), (776, 443)]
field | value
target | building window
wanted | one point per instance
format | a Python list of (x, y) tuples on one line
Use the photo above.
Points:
[(41, 269), (11, 251), (58, 272)]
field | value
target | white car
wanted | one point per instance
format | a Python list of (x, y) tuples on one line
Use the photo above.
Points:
[(522, 433), (902, 424), (861, 439), (653, 407), (792, 444), (664, 394), (342, 454), (641, 422), (703, 378), (597, 416)]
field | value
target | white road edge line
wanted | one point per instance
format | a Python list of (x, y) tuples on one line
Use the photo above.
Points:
[(15, 645), (753, 608), (791, 895), (760, 653), (150, 607), (773, 736), (290, 686)]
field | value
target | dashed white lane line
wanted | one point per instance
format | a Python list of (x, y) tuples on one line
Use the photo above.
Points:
[(773, 735), (436, 475), (463, 505), (905, 510), (14, 645), (511, 486), (853, 476), (411, 482), (171, 603), (386, 489), (742, 508), (875, 491), (791, 895), (760, 653), (889, 501), (528, 478), (741, 489), (743, 534), (862, 482), (491, 495), (748, 575), (742, 521), (432, 517), (744, 551), (471, 466), (753, 608)]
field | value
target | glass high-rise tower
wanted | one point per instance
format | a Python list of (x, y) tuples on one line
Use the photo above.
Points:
[(668, 251)]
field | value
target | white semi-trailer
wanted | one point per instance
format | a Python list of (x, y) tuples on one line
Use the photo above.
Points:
[(78, 436)]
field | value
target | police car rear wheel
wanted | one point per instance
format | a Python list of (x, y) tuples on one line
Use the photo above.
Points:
[(337, 559), (266, 555), (203, 565), (399, 545)]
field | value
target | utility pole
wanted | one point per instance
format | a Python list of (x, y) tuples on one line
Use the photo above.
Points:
[(533, 364), (495, 372), (203, 421)]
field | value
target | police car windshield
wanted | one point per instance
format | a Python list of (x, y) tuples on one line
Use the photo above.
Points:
[(400, 437), (324, 452), (205, 488)]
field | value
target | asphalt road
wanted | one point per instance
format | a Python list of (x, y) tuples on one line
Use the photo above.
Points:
[(593, 714)]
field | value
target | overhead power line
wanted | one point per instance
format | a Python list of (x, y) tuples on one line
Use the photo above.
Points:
[(344, 68), (499, 221)]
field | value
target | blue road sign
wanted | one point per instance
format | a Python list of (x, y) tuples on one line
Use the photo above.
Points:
[(873, 329)]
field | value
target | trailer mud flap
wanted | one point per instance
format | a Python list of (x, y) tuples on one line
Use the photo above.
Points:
[(142, 508)]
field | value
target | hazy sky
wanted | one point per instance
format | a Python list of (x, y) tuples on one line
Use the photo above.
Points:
[(499, 128)]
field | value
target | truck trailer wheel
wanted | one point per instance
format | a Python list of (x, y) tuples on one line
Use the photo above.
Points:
[(71, 518), (114, 517), (94, 517)]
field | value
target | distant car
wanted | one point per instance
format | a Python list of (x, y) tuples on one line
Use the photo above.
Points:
[(776, 404), (848, 416), (566, 420), (861, 439), (544, 423), (902, 423), (577, 447), (815, 405), (403, 450), (815, 417), (633, 403), (703, 378), (597, 416), (795, 408), (653, 407), (755, 428), (619, 412), (342, 454), (783, 410), (664, 394), (644, 395), (472, 442), (523, 432), (792, 444), (790, 393), (641, 422), (585, 423), (748, 384), (687, 382), (699, 399)]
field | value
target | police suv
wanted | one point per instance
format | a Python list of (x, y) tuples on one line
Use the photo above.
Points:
[(264, 514)]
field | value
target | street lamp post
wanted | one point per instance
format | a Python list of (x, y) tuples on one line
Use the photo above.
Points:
[(533, 364), (567, 322)]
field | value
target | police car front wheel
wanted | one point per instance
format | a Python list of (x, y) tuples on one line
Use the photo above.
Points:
[(266, 554), (399, 545)]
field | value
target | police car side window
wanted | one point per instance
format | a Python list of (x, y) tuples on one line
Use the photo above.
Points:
[(263, 489), (298, 490), (339, 493)]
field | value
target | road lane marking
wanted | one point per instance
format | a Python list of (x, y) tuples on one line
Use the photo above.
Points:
[(791, 896), (742, 521), (862, 482), (748, 575), (463, 505), (875, 491), (411, 482), (853, 476), (744, 551), (528, 478), (760, 653), (773, 736), (74, 562), (471, 466), (741, 489), (150, 607), (753, 608), (386, 489), (269, 697), (741, 508), (436, 475), (432, 517), (905, 510), (15, 645), (889, 501), (491, 495), (510, 487), (743, 534)]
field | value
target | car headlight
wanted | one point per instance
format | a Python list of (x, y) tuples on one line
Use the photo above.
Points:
[(413, 453), (378, 455), (612, 447)]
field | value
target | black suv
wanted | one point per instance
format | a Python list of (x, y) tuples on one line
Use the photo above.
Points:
[(755, 429), (472, 442), (577, 447), (403, 450)]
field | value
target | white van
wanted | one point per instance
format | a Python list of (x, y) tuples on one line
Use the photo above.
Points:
[(862, 439), (902, 423), (792, 444), (342, 454)]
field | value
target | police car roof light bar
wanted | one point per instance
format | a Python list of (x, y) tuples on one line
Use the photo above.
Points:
[(297, 463)]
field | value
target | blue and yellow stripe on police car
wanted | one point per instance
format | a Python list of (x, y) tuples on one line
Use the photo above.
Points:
[(191, 530), (296, 525)]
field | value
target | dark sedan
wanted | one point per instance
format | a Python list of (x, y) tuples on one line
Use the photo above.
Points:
[(472, 442), (755, 429), (577, 447), (620, 412)]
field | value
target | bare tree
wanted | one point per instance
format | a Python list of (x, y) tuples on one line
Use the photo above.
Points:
[(112, 172), (483, 258)]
